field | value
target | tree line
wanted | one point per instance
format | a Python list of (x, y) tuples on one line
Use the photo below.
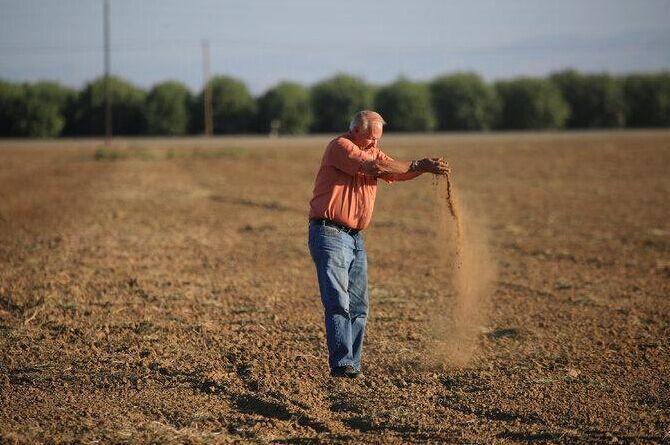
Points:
[(453, 102)]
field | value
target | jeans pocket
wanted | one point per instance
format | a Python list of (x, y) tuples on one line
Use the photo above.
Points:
[(330, 231)]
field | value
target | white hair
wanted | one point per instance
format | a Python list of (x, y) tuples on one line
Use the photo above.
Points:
[(363, 118)]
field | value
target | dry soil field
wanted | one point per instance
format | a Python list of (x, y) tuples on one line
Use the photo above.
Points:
[(167, 295)]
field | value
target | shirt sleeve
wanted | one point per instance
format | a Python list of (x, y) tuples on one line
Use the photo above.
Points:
[(344, 155)]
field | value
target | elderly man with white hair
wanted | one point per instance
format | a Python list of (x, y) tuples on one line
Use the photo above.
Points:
[(341, 207)]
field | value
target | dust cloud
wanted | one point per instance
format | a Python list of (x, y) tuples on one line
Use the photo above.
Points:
[(467, 264)]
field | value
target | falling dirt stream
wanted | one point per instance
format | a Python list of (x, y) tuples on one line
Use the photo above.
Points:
[(466, 258)]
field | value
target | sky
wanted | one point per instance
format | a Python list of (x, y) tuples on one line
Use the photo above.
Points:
[(264, 42)]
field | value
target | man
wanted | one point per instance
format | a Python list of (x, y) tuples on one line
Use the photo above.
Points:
[(344, 197)]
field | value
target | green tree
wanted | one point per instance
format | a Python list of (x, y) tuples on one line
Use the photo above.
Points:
[(531, 104), (406, 106), (595, 101), (463, 101), (48, 104), (336, 100), (234, 110), (128, 113), (167, 108), (11, 95), (647, 98), (33, 110), (288, 103)]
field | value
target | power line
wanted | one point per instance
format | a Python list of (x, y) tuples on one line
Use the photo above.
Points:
[(170, 44)]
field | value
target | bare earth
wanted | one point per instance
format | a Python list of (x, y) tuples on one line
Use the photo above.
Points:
[(168, 296)]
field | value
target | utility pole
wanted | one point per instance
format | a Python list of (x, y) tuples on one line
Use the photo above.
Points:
[(207, 90), (108, 98)]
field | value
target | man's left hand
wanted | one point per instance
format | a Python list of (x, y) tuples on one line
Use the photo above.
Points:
[(437, 166)]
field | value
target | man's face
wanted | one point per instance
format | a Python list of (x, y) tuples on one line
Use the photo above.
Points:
[(369, 137)]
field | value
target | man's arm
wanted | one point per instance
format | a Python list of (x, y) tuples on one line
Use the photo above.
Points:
[(388, 168), (347, 157)]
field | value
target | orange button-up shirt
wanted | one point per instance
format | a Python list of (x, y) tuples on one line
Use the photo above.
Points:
[(342, 192)]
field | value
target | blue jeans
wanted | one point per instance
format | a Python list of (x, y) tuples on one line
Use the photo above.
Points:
[(342, 271)]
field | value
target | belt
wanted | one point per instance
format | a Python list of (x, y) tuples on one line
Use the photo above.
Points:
[(327, 222)]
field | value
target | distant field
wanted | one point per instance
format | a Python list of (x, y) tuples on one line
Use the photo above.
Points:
[(163, 292)]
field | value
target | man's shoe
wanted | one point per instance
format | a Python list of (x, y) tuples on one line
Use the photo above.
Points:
[(354, 374), (345, 371), (342, 371)]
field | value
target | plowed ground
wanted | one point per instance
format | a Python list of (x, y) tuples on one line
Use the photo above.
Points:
[(167, 296)]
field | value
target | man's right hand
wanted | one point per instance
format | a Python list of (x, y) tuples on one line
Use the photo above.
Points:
[(437, 166)]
